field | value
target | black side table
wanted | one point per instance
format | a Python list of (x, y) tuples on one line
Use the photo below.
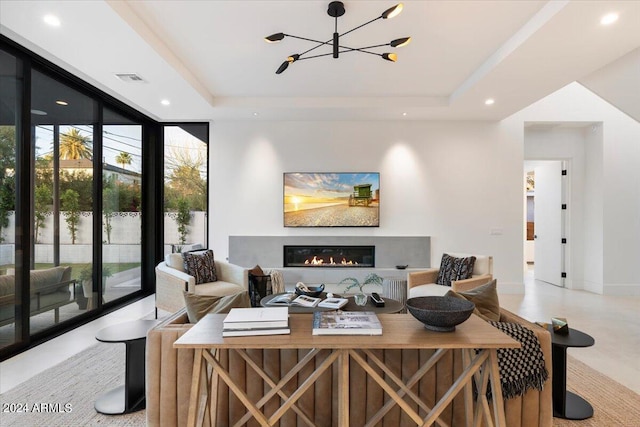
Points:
[(567, 405), (129, 397)]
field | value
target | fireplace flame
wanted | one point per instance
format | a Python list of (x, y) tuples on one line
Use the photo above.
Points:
[(319, 261)]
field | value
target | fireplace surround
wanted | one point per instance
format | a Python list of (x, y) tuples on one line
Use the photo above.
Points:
[(390, 251)]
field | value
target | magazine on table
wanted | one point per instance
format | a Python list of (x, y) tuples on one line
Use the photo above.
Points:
[(346, 323), (293, 299), (333, 303)]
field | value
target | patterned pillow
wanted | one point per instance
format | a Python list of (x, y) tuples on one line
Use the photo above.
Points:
[(200, 265), (452, 268)]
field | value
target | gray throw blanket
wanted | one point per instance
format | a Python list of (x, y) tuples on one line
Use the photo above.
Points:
[(520, 368)]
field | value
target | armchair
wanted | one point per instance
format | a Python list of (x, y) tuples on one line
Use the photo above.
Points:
[(423, 283), (171, 280)]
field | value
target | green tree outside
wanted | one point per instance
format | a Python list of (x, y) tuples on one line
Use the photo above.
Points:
[(43, 199), (7, 178), (124, 159), (71, 212), (74, 145)]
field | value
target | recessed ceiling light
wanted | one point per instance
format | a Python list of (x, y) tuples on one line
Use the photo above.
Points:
[(61, 102), (52, 20), (165, 102), (609, 18), (256, 114), (489, 101), (404, 114), (39, 112)]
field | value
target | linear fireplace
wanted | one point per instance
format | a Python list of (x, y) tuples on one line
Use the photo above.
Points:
[(329, 256)]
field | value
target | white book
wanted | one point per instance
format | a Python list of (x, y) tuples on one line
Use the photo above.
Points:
[(252, 332), (333, 303), (346, 323), (256, 317)]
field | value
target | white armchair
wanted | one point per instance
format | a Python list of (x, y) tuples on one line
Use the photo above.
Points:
[(423, 283), (172, 280)]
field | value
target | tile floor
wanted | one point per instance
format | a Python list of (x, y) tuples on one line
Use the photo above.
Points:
[(614, 322)]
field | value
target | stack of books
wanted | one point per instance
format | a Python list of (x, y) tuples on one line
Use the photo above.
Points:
[(346, 323), (242, 322)]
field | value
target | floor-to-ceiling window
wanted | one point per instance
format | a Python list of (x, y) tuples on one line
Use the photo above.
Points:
[(62, 139), (185, 186), (11, 81), (73, 166), (121, 205)]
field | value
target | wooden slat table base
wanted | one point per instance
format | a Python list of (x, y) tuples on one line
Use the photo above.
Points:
[(479, 358), (479, 366)]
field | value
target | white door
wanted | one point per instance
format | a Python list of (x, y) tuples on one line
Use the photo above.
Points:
[(548, 228)]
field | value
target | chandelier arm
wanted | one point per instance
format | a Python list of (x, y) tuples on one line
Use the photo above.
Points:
[(342, 51), (313, 48), (360, 26), (315, 56), (366, 47), (358, 50), (310, 40)]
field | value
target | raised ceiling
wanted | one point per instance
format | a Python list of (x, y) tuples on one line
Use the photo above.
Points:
[(209, 58)]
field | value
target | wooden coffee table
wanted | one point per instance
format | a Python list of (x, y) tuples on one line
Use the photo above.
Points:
[(477, 339), (390, 305)]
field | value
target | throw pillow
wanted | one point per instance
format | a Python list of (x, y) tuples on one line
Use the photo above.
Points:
[(199, 305), (452, 268), (200, 265), (485, 297)]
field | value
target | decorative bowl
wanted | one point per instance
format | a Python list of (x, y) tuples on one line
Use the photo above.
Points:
[(440, 314), (314, 291)]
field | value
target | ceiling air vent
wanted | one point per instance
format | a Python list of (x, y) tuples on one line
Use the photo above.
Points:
[(130, 78)]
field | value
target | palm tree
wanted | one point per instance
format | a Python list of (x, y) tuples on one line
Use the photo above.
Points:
[(74, 145), (123, 159)]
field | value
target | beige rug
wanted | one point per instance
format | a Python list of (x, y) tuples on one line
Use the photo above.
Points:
[(614, 405), (64, 394)]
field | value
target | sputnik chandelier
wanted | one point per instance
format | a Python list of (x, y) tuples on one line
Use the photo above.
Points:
[(335, 10)]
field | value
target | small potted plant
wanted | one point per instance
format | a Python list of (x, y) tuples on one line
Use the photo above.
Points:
[(361, 297)]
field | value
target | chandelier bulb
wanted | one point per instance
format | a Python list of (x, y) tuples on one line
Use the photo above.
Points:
[(400, 42), (282, 67), (392, 12), (274, 38), (390, 57)]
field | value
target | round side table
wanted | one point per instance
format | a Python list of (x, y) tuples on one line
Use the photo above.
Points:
[(396, 288), (129, 397), (566, 404)]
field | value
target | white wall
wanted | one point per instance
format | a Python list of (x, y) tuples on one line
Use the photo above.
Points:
[(452, 181), (618, 190)]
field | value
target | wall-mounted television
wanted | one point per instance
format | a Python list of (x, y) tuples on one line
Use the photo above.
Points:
[(350, 199)]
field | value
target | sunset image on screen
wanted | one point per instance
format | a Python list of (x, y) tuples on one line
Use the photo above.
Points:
[(331, 199)]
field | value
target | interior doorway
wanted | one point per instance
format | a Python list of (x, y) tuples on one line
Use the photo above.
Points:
[(545, 217)]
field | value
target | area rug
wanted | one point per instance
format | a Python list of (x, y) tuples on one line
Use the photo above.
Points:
[(64, 394)]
